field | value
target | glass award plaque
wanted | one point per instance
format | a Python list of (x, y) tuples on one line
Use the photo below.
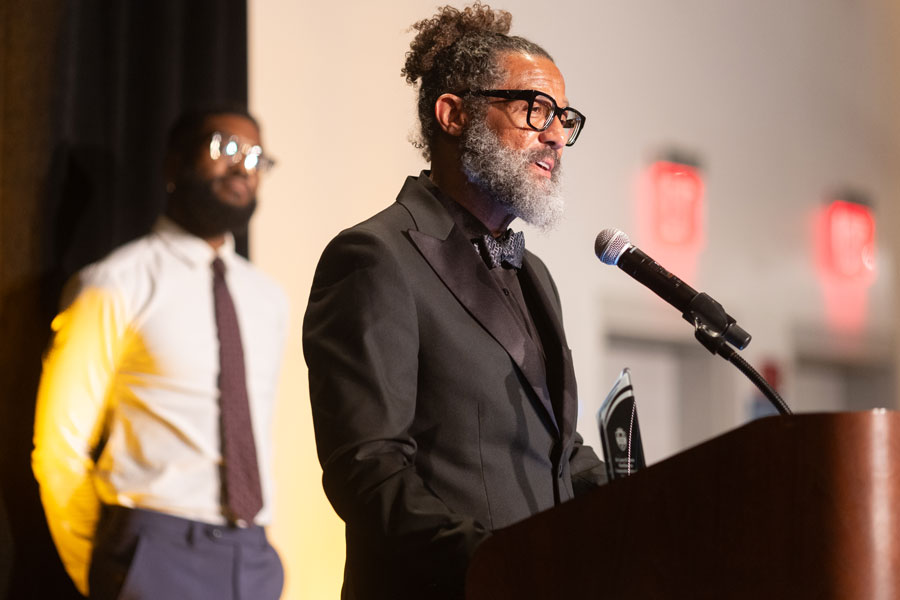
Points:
[(619, 431)]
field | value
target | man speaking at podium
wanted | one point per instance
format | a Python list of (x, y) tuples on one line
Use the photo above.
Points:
[(442, 387)]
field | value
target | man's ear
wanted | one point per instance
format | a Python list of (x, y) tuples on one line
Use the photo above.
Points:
[(450, 115)]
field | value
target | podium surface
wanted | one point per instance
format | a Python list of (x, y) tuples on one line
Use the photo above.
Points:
[(804, 506)]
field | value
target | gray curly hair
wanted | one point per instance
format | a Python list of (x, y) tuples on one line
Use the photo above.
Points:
[(458, 50)]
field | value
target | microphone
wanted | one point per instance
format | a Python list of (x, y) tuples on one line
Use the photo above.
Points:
[(707, 316), (713, 327)]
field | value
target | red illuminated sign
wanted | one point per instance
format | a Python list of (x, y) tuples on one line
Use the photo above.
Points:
[(845, 255), (677, 197), (849, 238), (670, 215)]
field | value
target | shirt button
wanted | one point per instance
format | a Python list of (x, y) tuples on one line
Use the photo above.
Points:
[(216, 532), (505, 292)]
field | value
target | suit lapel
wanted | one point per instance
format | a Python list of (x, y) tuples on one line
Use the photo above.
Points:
[(459, 267), (559, 367)]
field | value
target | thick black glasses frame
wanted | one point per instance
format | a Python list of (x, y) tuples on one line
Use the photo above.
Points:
[(530, 96)]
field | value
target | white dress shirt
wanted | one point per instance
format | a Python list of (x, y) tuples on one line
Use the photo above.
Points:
[(127, 409)]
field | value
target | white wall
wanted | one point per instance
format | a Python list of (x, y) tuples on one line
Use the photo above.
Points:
[(782, 100)]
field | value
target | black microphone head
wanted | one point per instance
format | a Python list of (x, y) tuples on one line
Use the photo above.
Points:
[(610, 244)]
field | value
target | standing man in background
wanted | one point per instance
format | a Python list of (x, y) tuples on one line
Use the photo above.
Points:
[(152, 431), (442, 387)]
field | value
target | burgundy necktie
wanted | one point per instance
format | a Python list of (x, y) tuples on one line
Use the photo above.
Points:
[(243, 495)]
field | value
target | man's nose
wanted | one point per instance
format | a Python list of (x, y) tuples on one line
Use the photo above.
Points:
[(555, 135)]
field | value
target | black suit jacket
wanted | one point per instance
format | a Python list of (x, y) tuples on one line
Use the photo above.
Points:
[(437, 419)]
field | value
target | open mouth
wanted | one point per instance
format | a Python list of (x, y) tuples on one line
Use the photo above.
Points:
[(545, 166)]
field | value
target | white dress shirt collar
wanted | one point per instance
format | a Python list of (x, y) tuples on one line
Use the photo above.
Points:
[(191, 249)]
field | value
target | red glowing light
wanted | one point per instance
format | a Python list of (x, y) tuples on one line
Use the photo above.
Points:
[(845, 256), (849, 240), (677, 191), (671, 216)]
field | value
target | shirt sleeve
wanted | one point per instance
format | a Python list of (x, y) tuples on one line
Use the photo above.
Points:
[(78, 370)]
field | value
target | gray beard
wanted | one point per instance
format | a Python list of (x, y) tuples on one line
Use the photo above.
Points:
[(505, 176)]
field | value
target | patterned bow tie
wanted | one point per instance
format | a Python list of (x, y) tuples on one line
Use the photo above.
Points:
[(505, 251)]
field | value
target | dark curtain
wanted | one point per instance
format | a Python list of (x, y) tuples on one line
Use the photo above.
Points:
[(87, 92)]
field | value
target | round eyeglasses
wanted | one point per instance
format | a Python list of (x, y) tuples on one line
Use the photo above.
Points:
[(224, 146), (539, 110)]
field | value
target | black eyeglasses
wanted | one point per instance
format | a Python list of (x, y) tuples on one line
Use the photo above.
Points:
[(541, 110)]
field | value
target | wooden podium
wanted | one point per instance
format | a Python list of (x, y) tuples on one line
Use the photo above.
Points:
[(799, 507)]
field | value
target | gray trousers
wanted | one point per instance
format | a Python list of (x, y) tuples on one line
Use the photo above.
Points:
[(140, 554)]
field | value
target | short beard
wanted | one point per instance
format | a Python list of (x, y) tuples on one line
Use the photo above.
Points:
[(194, 206), (505, 176)]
